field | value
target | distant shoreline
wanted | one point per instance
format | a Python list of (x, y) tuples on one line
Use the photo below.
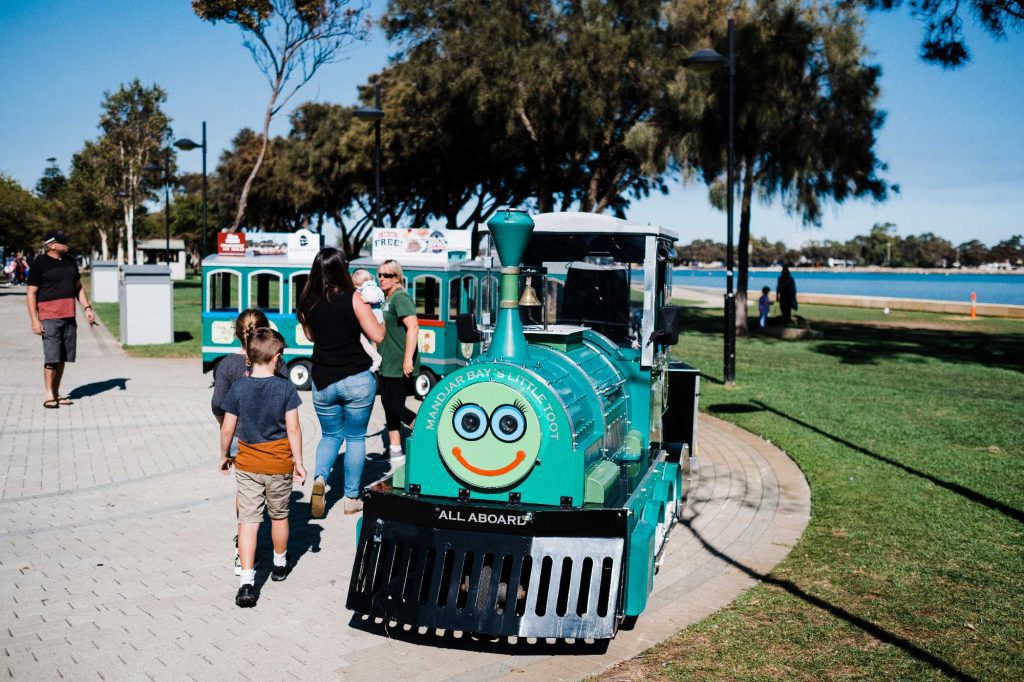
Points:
[(864, 269)]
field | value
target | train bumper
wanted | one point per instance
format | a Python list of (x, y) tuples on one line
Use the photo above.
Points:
[(495, 570)]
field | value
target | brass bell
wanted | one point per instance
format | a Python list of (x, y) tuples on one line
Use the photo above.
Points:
[(529, 298)]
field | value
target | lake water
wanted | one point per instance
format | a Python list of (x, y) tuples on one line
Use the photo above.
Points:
[(939, 286)]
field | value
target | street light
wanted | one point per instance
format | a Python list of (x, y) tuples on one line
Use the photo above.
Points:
[(188, 145), (705, 61), (375, 114), (154, 166)]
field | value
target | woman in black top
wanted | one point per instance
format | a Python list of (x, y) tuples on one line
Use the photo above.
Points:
[(332, 317)]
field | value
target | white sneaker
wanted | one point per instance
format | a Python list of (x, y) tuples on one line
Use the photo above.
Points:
[(397, 460), (238, 562)]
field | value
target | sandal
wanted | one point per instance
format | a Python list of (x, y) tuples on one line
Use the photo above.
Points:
[(64, 400), (51, 404)]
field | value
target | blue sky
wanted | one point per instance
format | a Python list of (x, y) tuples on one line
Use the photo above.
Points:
[(952, 139)]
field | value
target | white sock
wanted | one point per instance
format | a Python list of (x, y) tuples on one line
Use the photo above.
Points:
[(395, 449), (248, 577), (281, 559)]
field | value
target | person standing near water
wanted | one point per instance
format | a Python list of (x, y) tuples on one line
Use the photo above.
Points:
[(785, 293)]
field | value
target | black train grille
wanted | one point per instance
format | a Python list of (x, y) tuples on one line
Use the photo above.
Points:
[(489, 583)]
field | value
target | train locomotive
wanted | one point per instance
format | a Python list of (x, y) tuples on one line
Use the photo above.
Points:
[(542, 480)]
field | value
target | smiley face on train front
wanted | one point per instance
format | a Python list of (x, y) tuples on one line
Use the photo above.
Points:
[(489, 436)]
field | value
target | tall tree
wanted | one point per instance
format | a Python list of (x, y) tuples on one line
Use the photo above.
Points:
[(22, 216), (289, 40), (135, 130), (806, 117), (52, 181), (547, 101), (91, 204)]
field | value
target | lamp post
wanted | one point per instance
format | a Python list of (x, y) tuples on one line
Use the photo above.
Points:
[(154, 166), (375, 114), (705, 61), (188, 145)]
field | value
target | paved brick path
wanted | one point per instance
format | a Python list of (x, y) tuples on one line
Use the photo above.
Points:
[(115, 555)]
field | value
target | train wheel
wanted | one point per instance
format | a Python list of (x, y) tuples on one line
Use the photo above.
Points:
[(301, 374), (425, 381)]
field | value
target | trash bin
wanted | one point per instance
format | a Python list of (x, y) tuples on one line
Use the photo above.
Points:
[(147, 305), (104, 281)]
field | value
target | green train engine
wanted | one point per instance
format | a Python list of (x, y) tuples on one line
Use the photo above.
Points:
[(542, 479)]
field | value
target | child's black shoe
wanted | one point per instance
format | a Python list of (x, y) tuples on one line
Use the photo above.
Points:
[(246, 597), (279, 573)]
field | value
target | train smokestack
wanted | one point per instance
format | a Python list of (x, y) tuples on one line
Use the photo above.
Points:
[(510, 231)]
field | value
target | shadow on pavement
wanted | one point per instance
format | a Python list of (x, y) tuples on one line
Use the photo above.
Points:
[(97, 387), (303, 536)]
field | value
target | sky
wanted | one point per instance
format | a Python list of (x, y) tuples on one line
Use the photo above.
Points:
[(952, 140)]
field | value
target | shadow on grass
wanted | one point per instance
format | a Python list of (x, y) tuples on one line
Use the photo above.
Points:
[(182, 336), (97, 387), (873, 629), (963, 491), (868, 344)]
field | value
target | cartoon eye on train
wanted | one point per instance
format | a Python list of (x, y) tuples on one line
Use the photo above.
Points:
[(543, 478)]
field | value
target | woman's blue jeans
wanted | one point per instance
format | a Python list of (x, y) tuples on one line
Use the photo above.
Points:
[(344, 411)]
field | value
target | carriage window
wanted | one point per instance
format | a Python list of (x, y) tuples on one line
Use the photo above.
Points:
[(454, 299), (488, 300), (224, 293), (427, 290), (265, 292), (468, 295), (298, 284), (554, 299)]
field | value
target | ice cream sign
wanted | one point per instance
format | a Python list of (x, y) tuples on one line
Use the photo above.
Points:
[(414, 244)]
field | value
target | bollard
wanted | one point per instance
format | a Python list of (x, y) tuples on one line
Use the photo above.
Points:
[(974, 298)]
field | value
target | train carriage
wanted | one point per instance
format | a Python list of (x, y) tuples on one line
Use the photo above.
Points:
[(442, 291), (543, 478)]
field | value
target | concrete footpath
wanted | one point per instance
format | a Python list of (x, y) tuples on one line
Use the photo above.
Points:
[(116, 553)]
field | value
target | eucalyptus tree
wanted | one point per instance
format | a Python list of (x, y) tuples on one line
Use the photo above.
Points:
[(135, 133), (91, 204), (806, 115), (277, 196), (289, 41)]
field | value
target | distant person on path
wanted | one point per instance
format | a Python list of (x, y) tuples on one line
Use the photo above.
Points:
[(764, 306), (399, 359), (785, 294), (229, 370), (366, 287), (333, 317), (53, 286), (263, 409)]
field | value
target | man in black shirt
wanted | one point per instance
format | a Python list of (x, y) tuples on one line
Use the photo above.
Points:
[(53, 286)]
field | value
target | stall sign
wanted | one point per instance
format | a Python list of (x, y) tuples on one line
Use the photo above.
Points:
[(413, 244), (303, 245), (230, 243)]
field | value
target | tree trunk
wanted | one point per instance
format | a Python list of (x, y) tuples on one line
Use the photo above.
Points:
[(104, 246), (743, 251), (129, 220), (243, 198)]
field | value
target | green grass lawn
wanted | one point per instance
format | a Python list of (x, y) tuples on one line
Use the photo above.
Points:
[(909, 430), (188, 322)]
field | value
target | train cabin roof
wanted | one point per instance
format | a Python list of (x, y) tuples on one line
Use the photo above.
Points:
[(594, 223), (281, 261)]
